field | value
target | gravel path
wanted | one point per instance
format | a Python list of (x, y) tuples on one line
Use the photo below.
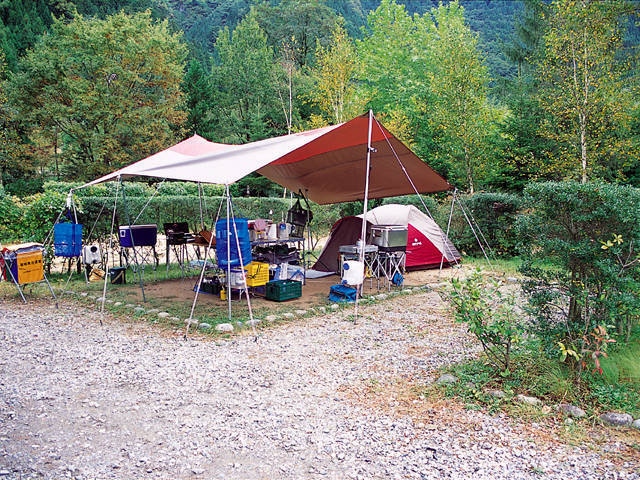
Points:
[(317, 398)]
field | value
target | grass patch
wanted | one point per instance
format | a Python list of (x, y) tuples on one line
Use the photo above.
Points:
[(534, 374)]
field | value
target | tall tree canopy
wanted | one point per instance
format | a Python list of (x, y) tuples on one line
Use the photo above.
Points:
[(587, 89), (457, 106), (336, 66), (107, 92), (243, 81)]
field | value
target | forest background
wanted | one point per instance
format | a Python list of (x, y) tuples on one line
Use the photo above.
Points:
[(492, 94)]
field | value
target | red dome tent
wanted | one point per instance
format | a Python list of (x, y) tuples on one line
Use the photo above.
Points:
[(427, 244)]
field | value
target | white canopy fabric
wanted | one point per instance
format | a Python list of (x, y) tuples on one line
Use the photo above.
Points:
[(327, 164)]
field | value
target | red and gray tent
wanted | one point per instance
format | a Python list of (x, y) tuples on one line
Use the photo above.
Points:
[(427, 245)]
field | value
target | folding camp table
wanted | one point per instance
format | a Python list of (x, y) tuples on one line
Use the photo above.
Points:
[(23, 264)]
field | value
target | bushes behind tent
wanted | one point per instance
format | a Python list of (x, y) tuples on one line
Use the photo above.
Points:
[(493, 217), (31, 219)]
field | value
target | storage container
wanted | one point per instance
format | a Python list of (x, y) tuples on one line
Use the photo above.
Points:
[(257, 274), (91, 254), (227, 251), (281, 290), (118, 275), (389, 237), (235, 278), (67, 239), (25, 265), (138, 235), (353, 272)]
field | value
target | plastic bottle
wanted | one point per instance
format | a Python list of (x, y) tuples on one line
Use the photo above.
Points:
[(223, 294)]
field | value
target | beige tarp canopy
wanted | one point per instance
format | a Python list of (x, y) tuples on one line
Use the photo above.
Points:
[(327, 164)]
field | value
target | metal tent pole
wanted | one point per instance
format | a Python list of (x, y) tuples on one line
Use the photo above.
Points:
[(363, 231)]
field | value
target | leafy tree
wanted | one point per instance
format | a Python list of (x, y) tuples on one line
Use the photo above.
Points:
[(390, 58), (20, 25), (523, 150), (199, 100), (306, 22), (243, 82), (335, 91), (110, 89), (586, 89), (457, 106), (15, 163)]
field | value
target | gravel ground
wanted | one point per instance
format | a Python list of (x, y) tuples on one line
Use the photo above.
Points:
[(317, 398)]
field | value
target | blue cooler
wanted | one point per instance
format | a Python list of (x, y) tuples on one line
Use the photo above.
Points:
[(226, 245), (138, 235), (67, 239)]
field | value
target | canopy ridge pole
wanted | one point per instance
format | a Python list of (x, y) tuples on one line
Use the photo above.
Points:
[(195, 297), (204, 266), (445, 239), (404, 170), (363, 231), (200, 195), (106, 273), (228, 231)]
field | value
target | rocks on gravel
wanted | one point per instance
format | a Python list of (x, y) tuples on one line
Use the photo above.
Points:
[(616, 419), (571, 410)]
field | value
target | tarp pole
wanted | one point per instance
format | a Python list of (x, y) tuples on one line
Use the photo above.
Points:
[(228, 250), (200, 194), (110, 249), (363, 231)]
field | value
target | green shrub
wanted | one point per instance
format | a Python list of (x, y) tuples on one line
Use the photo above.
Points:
[(11, 213), (490, 315), (41, 212), (579, 246), (493, 216)]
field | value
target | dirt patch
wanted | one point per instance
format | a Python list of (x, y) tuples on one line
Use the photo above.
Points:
[(315, 291)]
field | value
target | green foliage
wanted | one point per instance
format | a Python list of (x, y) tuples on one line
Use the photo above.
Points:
[(457, 107), (616, 397), (491, 315), (576, 288), (104, 92), (40, 213), (334, 75), (246, 103), (586, 89), (493, 216), (10, 212), (621, 365), (307, 23)]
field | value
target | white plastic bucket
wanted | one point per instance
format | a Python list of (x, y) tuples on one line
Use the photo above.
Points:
[(272, 232), (353, 272)]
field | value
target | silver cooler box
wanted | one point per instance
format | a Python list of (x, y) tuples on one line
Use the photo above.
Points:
[(390, 238)]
